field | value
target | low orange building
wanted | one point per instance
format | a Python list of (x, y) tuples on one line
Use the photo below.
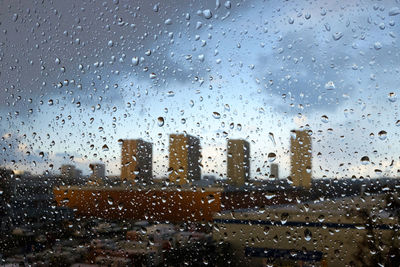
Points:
[(171, 204), (149, 204)]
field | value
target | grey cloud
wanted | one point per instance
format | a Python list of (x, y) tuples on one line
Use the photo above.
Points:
[(301, 68), (49, 43)]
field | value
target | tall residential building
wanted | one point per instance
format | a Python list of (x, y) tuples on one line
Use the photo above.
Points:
[(238, 162), (274, 171), (71, 175), (136, 160), (68, 171), (184, 158), (300, 158), (98, 173)]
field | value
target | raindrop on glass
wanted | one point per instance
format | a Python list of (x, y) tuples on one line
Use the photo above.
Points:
[(337, 36), (271, 157), (365, 160), (160, 121), (330, 85), (324, 119), (392, 97), (382, 135), (216, 115), (135, 61), (207, 14)]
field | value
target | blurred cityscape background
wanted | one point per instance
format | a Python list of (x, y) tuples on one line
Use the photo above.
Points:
[(188, 219)]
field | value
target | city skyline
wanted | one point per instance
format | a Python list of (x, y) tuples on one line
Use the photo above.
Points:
[(136, 164)]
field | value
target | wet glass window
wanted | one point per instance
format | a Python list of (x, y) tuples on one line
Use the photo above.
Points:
[(199, 133)]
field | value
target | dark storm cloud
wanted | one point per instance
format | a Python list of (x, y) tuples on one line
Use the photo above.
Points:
[(46, 45)]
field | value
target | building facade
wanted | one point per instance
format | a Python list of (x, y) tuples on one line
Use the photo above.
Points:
[(69, 171), (288, 235), (238, 162), (300, 159), (184, 158), (274, 171), (98, 173), (136, 161)]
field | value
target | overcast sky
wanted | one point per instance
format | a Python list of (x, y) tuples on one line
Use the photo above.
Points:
[(77, 76)]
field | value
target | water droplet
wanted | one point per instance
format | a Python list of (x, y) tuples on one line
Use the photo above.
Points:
[(308, 169), (15, 17), (284, 217), (291, 20), (110, 201), (377, 45), (397, 123), (120, 206), (57, 61), (216, 115), (110, 43), (307, 15), (365, 160), (307, 235), (207, 14), (135, 61), (105, 148), (327, 27), (156, 8), (201, 57), (160, 121), (324, 119), (168, 22), (330, 85), (152, 75), (392, 97), (271, 157), (272, 138), (50, 102), (227, 4), (394, 11), (382, 135), (148, 52), (337, 36)]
